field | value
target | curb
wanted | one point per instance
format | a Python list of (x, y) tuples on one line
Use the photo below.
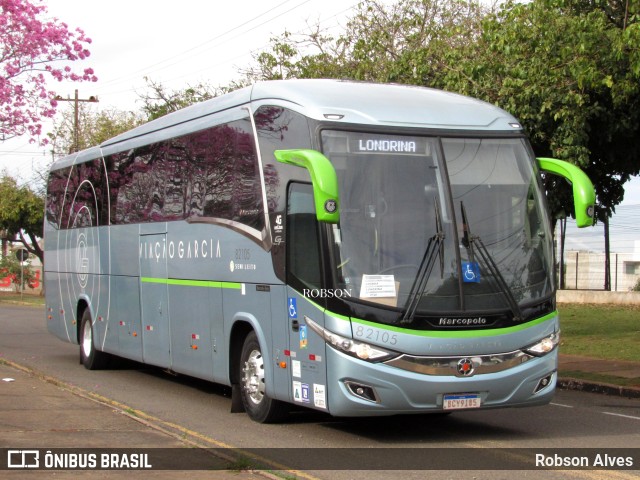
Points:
[(601, 388), (189, 438)]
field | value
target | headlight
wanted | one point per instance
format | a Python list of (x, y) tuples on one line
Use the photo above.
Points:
[(363, 351), (544, 346)]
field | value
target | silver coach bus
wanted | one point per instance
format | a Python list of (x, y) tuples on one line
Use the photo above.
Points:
[(360, 249)]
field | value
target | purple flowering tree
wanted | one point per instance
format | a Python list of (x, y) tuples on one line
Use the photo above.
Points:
[(33, 50)]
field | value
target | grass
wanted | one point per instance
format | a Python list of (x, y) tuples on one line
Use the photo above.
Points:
[(601, 331), (600, 378), (598, 331), (25, 299)]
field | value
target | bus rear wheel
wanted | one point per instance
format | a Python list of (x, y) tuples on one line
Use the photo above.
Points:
[(91, 358), (258, 405)]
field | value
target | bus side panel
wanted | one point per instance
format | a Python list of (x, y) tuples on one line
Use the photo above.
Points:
[(63, 322), (155, 303), (82, 278), (196, 329), (56, 323), (125, 315), (51, 235), (54, 305), (96, 291), (280, 327), (124, 318), (308, 353), (125, 250)]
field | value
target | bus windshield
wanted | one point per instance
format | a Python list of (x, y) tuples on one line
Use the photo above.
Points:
[(439, 225)]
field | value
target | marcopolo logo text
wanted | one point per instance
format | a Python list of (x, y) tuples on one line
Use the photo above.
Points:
[(448, 321)]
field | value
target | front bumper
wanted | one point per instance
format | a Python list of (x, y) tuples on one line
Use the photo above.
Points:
[(391, 390)]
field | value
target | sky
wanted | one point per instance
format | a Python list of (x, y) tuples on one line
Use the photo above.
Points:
[(191, 41), (172, 43)]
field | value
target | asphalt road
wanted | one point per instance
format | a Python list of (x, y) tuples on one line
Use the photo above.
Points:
[(573, 420)]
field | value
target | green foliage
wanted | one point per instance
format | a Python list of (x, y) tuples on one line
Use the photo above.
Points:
[(563, 70), (569, 70), (93, 127), (9, 266), (159, 101), (636, 287), (406, 42), (21, 212)]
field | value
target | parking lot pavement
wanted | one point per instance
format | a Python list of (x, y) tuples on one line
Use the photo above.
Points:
[(36, 414)]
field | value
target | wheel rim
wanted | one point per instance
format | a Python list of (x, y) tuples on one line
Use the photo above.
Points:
[(87, 339), (253, 377)]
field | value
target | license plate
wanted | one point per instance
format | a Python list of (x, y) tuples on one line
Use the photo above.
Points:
[(461, 401)]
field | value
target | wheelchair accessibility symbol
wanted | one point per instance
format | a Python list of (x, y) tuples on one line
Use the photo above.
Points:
[(470, 272), (293, 309)]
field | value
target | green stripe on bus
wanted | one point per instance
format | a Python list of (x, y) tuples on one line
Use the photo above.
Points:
[(460, 333), (192, 283), (440, 334)]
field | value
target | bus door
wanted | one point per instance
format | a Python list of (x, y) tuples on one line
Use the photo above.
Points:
[(304, 279), (154, 299)]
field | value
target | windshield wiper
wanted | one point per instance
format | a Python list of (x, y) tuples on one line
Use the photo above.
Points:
[(435, 247), (469, 241)]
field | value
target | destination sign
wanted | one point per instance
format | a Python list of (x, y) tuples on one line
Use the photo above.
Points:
[(388, 144)]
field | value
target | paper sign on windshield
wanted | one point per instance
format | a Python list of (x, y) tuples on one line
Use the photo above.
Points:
[(377, 286)]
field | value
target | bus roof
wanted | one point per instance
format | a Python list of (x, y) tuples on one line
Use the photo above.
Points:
[(346, 102), (386, 104)]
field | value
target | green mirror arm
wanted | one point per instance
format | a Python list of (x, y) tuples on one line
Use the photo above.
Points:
[(323, 178), (584, 195)]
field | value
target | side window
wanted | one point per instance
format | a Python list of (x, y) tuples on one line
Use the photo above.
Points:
[(56, 186), (84, 204), (129, 187), (136, 181), (280, 129), (92, 195), (209, 173), (224, 180), (303, 252)]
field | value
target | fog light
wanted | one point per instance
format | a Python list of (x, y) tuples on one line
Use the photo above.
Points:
[(362, 391), (543, 383)]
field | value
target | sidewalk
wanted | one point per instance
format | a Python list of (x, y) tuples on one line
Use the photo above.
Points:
[(614, 368), (37, 414)]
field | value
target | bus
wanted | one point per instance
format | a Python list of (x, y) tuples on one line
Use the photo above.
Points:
[(358, 249)]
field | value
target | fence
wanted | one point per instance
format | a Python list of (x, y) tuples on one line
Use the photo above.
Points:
[(586, 271)]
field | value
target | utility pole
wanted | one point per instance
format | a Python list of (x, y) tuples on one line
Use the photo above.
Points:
[(76, 100)]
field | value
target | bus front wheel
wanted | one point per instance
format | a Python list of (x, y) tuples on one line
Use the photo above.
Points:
[(91, 358), (257, 404)]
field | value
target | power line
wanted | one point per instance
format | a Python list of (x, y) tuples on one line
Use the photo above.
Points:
[(181, 55), (15, 152), (217, 37)]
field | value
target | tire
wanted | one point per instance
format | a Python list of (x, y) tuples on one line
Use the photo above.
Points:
[(257, 404), (91, 358)]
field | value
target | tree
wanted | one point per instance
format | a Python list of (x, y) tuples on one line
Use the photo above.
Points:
[(94, 128), (34, 49), (569, 70), (21, 275), (21, 213), (159, 101), (406, 42)]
